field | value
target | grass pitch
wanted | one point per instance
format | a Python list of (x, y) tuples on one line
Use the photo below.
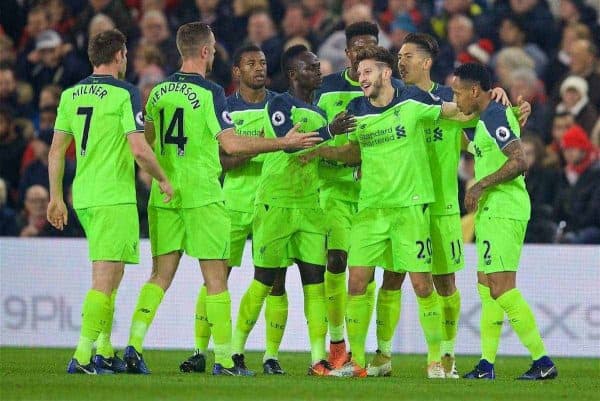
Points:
[(39, 374)]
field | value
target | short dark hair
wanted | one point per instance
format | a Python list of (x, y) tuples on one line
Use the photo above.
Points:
[(103, 47), (192, 36), (239, 53), (363, 28), (288, 57), (424, 42), (378, 53), (475, 73)]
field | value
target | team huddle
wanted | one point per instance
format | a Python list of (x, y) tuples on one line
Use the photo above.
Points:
[(349, 172)]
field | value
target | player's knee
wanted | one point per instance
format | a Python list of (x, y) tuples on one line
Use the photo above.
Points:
[(392, 281), (497, 291), (444, 284), (265, 276), (357, 285), (160, 279), (279, 283), (311, 274), (336, 261), (423, 288)]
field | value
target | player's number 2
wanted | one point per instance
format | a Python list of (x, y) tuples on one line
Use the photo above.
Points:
[(167, 137), (87, 113)]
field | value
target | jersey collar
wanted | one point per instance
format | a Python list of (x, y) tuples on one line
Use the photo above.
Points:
[(348, 79)]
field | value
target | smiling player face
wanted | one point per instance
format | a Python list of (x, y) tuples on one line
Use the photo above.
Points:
[(370, 78)]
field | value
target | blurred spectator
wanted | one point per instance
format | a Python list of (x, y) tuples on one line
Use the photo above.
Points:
[(217, 15), (508, 60), (8, 217), (577, 11), (12, 18), (262, 33), (32, 221), (8, 55), (561, 122), (38, 20), (535, 15), (561, 59), (19, 105), (583, 63), (512, 33), (595, 136), (60, 16), (36, 173), (12, 147), (575, 100), (147, 59), (396, 8), (460, 34), (52, 62), (541, 184), (148, 79), (114, 9), (155, 32), (334, 48), (468, 8), (523, 82), (100, 23), (400, 27), (577, 202), (296, 24), (322, 21)]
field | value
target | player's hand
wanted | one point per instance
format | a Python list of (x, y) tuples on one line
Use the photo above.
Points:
[(166, 189), (524, 110), (342, 124), (472, 197), (499, 95), (298, 140), (57, 214)]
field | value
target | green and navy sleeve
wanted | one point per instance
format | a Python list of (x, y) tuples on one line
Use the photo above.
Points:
[(131, 114), (63, 115), (218, 117), (499, 127)]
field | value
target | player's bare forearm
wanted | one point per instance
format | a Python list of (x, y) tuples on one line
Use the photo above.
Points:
[(237, 145), (450, 111), (514, 166), (229, 162), (56, 164), (348, 154)]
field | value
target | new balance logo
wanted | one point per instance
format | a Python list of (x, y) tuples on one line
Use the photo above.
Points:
[(339, 103)]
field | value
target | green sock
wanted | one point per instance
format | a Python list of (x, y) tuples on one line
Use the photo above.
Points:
[(315, 311), (370, 293), (250, 307), (94, 316), (523, 322), (335, 289), (201, 326), (103, 344), (430, 317), (492, 317), (149, 300), (358, 317), (218, 310), (450, 318), (276, 314), (388, 314)]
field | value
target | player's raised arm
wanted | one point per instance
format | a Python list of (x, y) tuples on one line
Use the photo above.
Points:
[(57, 210)]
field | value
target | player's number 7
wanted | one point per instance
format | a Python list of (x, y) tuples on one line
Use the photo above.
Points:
[(87, 112)]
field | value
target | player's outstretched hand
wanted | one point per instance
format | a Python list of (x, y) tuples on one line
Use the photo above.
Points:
[(472, 197), (524, 110), (499, 95), (298, 140), (166, 189), (57, 214), (342, 124)]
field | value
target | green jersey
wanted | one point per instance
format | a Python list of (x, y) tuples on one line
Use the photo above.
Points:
[(395, 166), (497, 127), (241, 183), (285, 182), (443, 139), (100, 111), (336, 91), (188, 113)]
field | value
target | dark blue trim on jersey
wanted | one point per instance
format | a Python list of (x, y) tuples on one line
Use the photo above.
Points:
[(494, 118), (235, 102), (134, 93), (443, 91)]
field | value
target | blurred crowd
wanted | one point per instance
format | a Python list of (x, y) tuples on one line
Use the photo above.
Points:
[(545, 51)]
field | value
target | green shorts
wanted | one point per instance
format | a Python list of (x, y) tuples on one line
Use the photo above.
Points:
[(113, 232), (396, 239), (283, 235), (448, 248), (201, 232), (499, 243), (241, 228), (338, 221)]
